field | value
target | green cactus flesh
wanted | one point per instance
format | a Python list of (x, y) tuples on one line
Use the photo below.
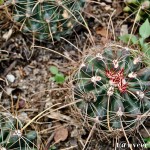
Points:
[(47, 19), (11, 136), (113, 86), (143, 6)]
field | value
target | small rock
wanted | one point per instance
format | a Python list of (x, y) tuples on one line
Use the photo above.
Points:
[(73, 142), (103, 4), (74, 133), (21, 104), (9, 90), (107, 7), (108, 1), (124, 30), (23, 116), (8, 34), (36, 71), (10, 78), (6, 103)]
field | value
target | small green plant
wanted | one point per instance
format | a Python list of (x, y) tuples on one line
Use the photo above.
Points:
[(58, 77), (52, 148), (1, 2), (144, 33), (11, 136), (113, 87), (47, 20), (139, 7), (147, 142)]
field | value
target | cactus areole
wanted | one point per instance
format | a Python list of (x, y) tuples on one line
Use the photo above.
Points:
[(47, 19), (115, 86)]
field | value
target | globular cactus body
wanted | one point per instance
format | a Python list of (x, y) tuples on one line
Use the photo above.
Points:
[(113, 85), (47, 19), (143, 6), (11, 136)]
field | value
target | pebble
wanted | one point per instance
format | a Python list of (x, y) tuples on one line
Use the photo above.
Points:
[(108, 1), (103, 4), (9, 90), (10, 78), (107, 7), (21, 103)]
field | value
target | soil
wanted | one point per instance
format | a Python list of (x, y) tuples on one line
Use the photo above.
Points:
[(26, 88)]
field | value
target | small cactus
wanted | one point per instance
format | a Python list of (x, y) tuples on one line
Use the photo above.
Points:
[(47, 19), (133, 6), (11, 136), (114, 86)]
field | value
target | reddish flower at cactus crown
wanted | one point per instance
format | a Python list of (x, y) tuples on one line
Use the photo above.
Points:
[(117, 79)]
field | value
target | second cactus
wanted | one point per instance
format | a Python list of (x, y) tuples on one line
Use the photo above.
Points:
[(47, 19)]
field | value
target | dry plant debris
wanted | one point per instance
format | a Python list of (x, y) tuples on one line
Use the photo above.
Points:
[(26, 91)]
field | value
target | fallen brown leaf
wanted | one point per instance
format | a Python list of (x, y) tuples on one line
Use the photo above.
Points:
[(60, 134), (102, 32)]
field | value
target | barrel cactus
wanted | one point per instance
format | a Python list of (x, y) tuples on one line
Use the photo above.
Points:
[(11, 136), (113, 85), (47, 19), (143, 6)]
